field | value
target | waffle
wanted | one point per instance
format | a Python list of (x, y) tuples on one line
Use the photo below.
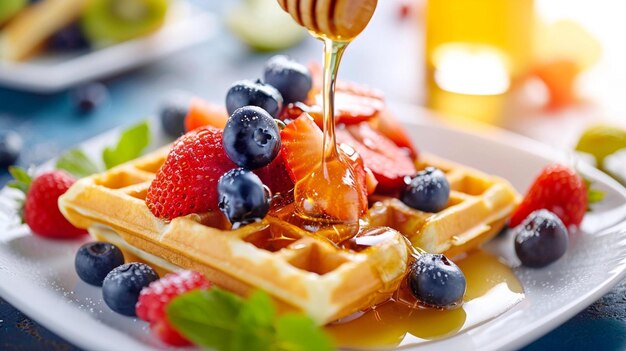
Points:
[(300, 270), (326, 274), (478, 208)]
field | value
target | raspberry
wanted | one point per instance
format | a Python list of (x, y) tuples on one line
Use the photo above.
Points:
[(154, 299)]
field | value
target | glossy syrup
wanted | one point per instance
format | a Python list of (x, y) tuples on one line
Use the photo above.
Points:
[(492, 289)]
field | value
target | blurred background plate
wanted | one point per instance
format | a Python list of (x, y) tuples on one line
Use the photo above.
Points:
[(187, 25)]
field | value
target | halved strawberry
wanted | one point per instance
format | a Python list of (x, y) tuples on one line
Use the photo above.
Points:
[(388, 125), (203, 113), (339, 190), (389, 163)]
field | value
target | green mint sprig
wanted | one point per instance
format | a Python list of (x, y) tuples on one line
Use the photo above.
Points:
[(218, 319), (131, 144)]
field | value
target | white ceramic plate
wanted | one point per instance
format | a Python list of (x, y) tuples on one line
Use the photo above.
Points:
[(186, 26), (37, 275)]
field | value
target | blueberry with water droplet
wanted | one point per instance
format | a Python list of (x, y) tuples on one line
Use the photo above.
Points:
[(251, 137), (95, 260), (436, 281), (242, 196), (255, 93), (121, 287), (427, 191), (541, 239)]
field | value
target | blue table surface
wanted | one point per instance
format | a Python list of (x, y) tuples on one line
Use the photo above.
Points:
[(49, 124)]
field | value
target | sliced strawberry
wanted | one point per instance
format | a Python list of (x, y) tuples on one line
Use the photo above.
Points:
[(388, 162), (203, 113), (302, 143), (275, 176), (339, 190), (389, 125)]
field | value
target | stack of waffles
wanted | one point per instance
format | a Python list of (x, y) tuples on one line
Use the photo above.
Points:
[(323, 273)]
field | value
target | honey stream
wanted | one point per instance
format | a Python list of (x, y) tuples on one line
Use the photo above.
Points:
[(492, 288)]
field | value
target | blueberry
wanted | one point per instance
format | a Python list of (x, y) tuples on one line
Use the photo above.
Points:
[(121, 287), (427, 191), (251, 137), (95, 260), (292, 79), (69, 38), (541, 239), (243, 197), (88, 96), (10, 147), (436, 281), (247, 92), (173, 112)]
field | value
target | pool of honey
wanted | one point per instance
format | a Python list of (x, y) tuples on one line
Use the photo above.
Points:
[(492, 289)]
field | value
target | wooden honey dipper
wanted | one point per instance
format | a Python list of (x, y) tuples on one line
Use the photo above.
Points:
[(340, 20)]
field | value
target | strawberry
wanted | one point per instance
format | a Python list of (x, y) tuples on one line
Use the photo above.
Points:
[(558, 189), (202, 113), (388, 125), (388, 162), (338, 193), (154, 299), (353, 104), (41, 210), (187, 181), (275, 176)]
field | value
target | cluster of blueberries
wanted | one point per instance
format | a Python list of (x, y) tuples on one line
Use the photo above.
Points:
[(251, 136), (102, 264)]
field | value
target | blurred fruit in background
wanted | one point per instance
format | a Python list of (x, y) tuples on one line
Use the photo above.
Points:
[(264, 26), (66, 25), (562, 51), (8, 8), (479, 52), (111, 21)]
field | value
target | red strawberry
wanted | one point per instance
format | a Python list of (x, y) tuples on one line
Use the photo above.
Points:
[(187, 182), (388, 125), (154, 298), (202, 113), (41, 209), (353, 104), (386, 160), (337, 195), (558, 189), (275, 176)]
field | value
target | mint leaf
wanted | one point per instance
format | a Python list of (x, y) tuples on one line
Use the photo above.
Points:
[(595, 195), (21, 179), (130, 146), (256, 324), (207, 318), (77, 163), (299, 333), (217, 319)]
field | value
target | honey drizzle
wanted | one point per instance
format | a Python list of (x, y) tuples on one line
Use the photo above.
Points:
[(492, 289)]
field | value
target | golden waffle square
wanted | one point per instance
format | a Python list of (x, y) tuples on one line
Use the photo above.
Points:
[(306, 271), (478, 208), (300, 270)]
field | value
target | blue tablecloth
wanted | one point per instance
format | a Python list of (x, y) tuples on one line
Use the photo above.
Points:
[(49, 124)]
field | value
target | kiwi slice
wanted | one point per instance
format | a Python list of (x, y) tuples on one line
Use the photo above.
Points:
[(264, 26), (8, 8), (111, 21)]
